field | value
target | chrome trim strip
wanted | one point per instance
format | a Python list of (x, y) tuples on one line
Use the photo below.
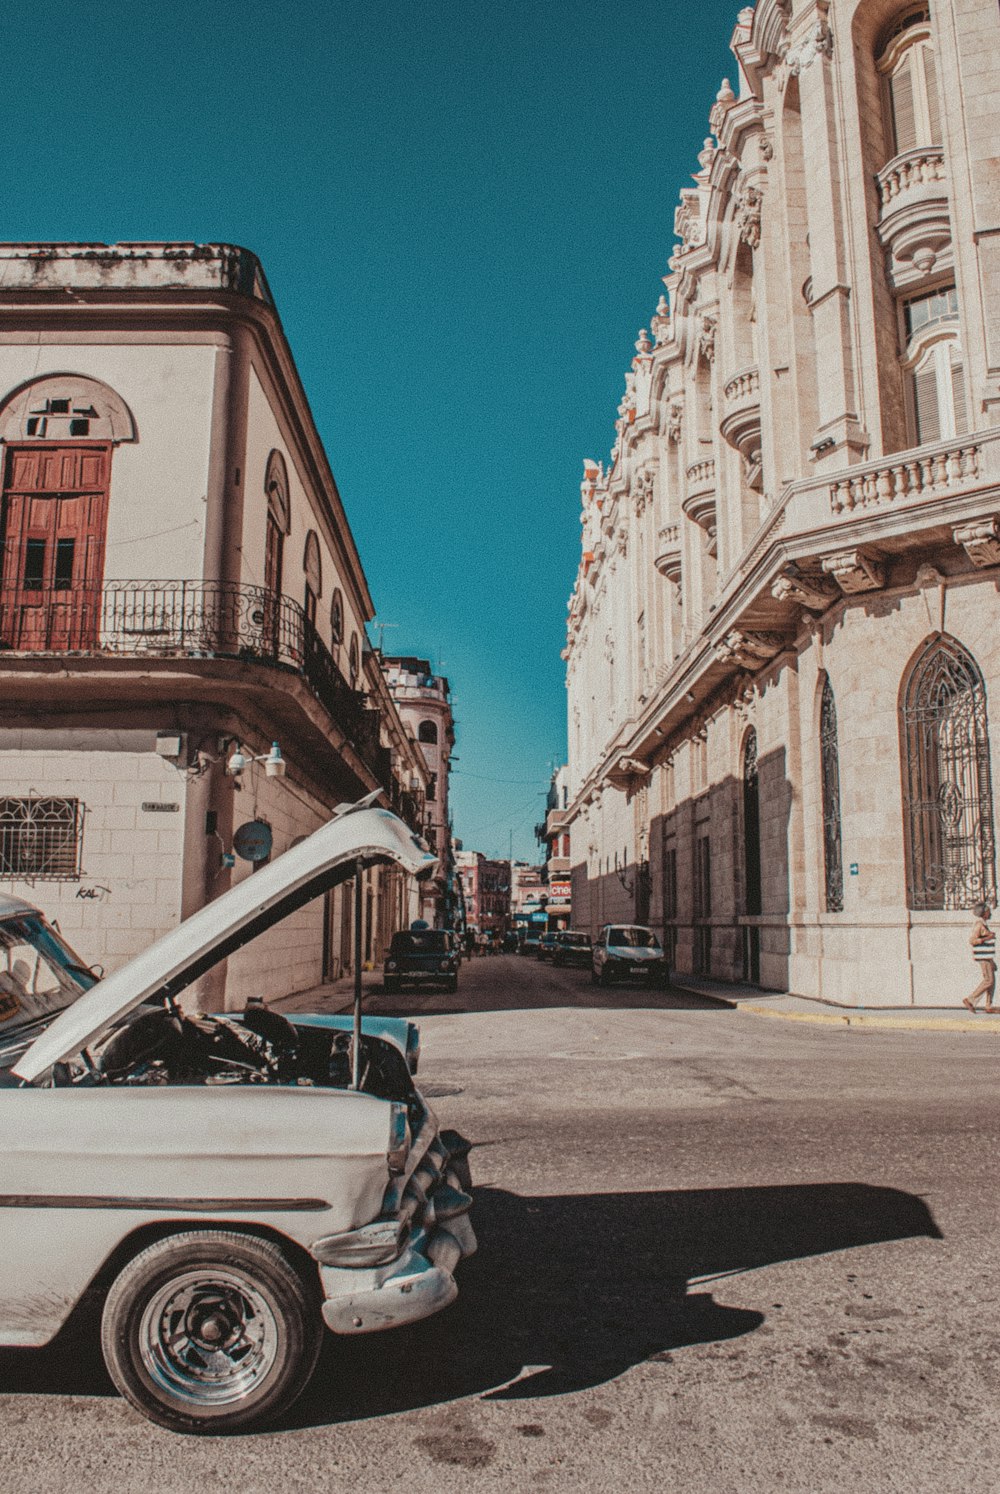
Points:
[(188, 1205)]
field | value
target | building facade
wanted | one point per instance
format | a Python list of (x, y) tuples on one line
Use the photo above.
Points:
[(782, 652), (179, 590), (554, 835), (486, 892), (423, 700)]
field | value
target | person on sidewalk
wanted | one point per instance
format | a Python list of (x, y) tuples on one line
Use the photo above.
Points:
[(984, 952)]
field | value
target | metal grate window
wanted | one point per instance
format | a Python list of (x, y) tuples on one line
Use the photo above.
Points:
[(41, 839), (947, 789), (833, 859)]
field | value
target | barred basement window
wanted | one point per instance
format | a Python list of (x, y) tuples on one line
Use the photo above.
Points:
[(41, 839), (947, 788), (833, 861)]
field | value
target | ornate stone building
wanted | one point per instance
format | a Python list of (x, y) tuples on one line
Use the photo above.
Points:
[(783, 639)]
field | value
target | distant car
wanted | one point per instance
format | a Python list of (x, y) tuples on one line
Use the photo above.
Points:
[(628, 951), (530, 943), (546, 946), (419, 956), (510, 944), (571, 948)]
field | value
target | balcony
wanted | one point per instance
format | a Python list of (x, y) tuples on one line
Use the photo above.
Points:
[(228, 638), (699, 504), (668, 558), (914, 224), (740, 426)]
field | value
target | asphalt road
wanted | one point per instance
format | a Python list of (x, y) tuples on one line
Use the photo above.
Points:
[(716, 1253)]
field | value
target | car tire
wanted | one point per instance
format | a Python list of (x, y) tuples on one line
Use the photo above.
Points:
[(453, 983), (211, 1331), (605, 976), (390, 984)]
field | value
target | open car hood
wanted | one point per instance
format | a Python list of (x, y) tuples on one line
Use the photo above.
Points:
[(323, 859)]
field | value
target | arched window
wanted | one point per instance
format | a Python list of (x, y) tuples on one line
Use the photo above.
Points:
[(314, 575), (751, 855), (60, 407), (833, 860), (947, 789), (427, 731), (278, 521), (337, 617), (933, 360), (911, 102)]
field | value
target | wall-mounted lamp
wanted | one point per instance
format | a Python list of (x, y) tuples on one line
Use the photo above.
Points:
[(274, 763)]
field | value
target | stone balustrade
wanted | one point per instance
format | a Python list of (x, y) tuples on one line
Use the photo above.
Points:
[(743, 387), (701, 476), (904, 477), (668, 556), (922, 167)]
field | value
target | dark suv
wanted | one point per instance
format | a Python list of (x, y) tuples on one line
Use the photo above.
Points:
[(422, 955)]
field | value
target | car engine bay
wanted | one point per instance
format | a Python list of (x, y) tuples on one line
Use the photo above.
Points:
[(161, 1045)]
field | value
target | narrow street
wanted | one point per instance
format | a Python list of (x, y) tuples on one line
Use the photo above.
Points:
[(715, 1253)]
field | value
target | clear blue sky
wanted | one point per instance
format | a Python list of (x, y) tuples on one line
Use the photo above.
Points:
[(463, 211)]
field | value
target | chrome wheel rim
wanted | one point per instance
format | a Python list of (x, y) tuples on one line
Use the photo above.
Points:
[(209, 1336)]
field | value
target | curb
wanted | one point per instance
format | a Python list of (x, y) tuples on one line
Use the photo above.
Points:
[(866, 1019), (852, 1017)]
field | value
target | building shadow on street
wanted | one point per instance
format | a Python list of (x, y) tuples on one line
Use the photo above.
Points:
[(569, 1292), (505, 989)]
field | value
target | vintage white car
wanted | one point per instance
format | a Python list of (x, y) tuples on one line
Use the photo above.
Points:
[(215, 1177)]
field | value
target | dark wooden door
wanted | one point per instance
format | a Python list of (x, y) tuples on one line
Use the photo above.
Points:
[(55, 501)]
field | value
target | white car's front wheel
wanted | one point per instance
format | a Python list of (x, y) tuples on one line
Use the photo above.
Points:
[(211, 1331)]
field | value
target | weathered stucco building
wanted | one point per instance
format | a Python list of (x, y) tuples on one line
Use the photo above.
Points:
[(423, 700), (782, 655), (179, 585)]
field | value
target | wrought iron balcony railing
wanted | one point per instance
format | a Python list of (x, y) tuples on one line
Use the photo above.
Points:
[(191, 620)]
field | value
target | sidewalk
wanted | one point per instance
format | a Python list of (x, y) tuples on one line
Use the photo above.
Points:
[(338, 997), (789, 1008)]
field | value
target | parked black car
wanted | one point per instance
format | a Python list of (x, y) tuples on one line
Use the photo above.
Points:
[(422, 955), (546, 946), (571, 948)]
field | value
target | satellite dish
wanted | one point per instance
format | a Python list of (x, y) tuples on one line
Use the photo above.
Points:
[(253, 841)]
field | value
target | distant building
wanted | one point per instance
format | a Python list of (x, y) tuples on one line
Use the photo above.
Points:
[(554, 834), (179, 584), (423, 700), (486, 889)]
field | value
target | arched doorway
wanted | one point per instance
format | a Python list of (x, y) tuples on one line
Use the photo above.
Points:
[(751, 857)]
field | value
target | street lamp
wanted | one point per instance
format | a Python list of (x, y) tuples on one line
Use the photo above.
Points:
[(274, 763)]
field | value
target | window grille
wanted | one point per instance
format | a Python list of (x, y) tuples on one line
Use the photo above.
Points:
[(833, 859), (947, 789), (41, 839)]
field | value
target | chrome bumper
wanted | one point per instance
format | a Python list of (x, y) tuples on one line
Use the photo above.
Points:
[(420, 1281)]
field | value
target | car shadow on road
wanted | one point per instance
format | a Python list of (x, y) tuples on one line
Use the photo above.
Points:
[(565, 1292), (569, 1292)]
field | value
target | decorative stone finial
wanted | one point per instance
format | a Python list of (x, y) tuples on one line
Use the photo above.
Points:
[(707, 153), (643, 344), (725, 94)]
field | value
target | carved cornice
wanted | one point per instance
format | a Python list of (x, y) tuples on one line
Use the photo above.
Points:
[(980, 541), (750, 650), (855, 570), (812, 592)]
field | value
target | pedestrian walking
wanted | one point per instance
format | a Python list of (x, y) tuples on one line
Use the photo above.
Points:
[(984, 951)]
